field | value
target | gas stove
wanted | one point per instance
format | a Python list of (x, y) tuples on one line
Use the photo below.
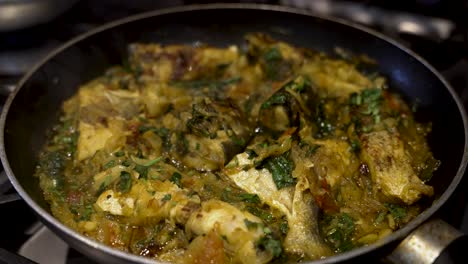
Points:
[(436, 30)]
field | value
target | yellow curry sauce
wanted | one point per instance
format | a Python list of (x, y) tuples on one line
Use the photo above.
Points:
[(199, 154)]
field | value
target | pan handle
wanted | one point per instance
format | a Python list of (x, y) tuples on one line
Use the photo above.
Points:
[(425, 244)]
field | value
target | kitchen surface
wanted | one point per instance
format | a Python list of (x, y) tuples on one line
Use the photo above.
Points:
[(436, 30)]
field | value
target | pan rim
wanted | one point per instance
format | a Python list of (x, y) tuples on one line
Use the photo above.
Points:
[(51, 221)]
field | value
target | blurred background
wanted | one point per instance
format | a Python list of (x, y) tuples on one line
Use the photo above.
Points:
[(29, 29)]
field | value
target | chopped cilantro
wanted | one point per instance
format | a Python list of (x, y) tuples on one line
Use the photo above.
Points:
[(109, 164), (142, 171), (380, 217), (251, 225), (87, 212), (338, 230), (284, 228), (151, 162), (251, 153), (275, 67), (167, 197), (355, 146), (271, 245), (250, 198), (175, 178), (279, 98), (119, 154), (265, 215), (369, 102), (226, 195), (272, 54), (126, 163), (398, 212), (298, 85), (161, 131), (125, 183)]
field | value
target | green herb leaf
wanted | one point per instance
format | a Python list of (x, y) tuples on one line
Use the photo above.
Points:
[(162, 132), (151, 162), (309, 149), (271, 245), (119, 154), (265, 215), (298, 85), (251, 225), (380, 217), (272, 54), (279, 98), (251, 153), (142, 171), (109, 164), (175, 178), (86, 213), (126, 163), (281, 168), (166, 197), (369, 101), (338, 230), (398, 212), (355, 146), (284, 228), (104, 184), (125, 183), (250, 198)]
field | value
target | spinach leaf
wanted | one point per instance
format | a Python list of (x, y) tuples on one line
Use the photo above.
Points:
[(275, 67), (281, 168), (86, 213), (298, 85), (355, 146), (142, 171), (338, 230), (162, 132), (279, 98), (284, 227), (265, 215), (167, 197), (250, 198), (272, 54), (175, 178), (251, 225), (251, 153), (126, 163), (369, 102), (109, 164), (119, 154), (271, 245), (125, 183), (398, 212)]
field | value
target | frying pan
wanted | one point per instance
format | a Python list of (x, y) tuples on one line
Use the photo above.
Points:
[(34, 106)]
